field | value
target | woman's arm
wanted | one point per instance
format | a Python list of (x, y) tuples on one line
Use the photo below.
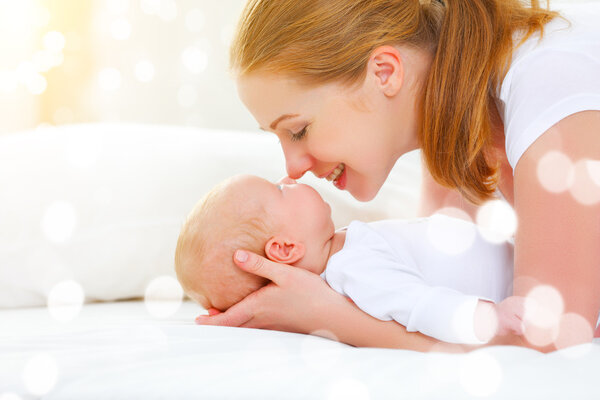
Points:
[(557, 242), (300, 301)]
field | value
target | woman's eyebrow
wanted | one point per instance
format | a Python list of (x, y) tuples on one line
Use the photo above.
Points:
[(273, 125)]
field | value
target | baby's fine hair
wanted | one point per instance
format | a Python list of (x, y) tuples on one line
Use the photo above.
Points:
[(218, 225)]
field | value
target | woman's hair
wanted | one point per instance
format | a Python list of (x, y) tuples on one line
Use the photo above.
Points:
[(323, 41)]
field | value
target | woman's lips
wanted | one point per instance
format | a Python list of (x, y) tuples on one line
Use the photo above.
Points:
[(341, 180), (333, 175)]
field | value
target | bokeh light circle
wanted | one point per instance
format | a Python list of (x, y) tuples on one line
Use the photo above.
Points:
[(593, 169), (480, 374), (120, 29), (59, 221), (574, 330), (555, 172), (584, 187), (163, 296), (54, 41), (449, 235), (544, 306), (65, 300), (194, 59), (40, 374), (497, 221)]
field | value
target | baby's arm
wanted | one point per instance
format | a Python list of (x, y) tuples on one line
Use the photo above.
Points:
[(500, 319)]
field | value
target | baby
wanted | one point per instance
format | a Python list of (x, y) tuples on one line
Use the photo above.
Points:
[(389, 269)]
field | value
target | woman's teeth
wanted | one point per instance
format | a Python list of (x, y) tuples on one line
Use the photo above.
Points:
[(336, 173)]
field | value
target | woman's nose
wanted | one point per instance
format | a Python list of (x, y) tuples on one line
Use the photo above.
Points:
[(286, 180), (297, 162)]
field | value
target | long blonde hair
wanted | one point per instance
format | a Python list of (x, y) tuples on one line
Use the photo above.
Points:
[(323, 41)]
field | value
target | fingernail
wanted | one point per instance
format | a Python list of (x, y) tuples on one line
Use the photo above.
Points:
[(241, 256)]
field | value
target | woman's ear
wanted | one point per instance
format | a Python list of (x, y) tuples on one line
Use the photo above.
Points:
[(387, 67), (283, 250)]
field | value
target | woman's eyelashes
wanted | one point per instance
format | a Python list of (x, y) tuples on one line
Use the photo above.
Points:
[(298, 136)]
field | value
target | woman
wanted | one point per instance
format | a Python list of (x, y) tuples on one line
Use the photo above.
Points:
[(349, 86)]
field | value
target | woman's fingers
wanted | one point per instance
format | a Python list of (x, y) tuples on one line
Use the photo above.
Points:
[(237, 315), (260, 266)]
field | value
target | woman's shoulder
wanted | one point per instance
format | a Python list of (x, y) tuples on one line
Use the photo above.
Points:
[(551, 77)]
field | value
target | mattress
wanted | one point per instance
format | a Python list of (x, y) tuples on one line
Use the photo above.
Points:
[(126, 350)]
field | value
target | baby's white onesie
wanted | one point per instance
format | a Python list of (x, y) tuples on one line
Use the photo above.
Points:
[(403, 270)]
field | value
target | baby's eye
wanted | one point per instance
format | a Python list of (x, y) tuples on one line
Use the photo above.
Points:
[(280, 187)]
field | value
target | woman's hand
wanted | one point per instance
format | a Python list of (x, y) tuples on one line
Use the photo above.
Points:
[(296, 300), (300, 301)]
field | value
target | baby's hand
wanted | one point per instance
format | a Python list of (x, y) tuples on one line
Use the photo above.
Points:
[(510, 313), (499, 319)]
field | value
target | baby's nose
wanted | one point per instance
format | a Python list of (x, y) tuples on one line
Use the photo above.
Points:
[(286, 180)]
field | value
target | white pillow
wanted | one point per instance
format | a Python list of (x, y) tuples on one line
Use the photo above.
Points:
[(102, 204)]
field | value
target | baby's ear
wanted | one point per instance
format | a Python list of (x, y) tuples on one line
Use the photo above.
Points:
[(283, 250)]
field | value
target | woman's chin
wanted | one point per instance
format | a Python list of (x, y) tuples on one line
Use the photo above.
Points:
[(364, 194)]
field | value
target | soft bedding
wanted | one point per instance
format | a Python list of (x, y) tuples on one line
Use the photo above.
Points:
[(119, 350), (89, 217)]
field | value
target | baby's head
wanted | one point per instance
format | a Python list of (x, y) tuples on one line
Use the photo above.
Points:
[(285, 221)]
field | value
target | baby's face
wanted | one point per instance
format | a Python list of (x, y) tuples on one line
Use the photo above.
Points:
[(298, 208)]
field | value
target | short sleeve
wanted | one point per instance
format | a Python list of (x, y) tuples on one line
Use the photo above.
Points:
[(542, 89)]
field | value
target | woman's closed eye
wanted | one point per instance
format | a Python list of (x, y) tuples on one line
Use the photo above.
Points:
[(298, 136)]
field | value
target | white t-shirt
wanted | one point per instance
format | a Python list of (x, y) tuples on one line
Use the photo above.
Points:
[(551, 79), (427, 273)]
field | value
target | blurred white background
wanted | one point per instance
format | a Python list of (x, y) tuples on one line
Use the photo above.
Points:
[(145, 61), (142, 61)]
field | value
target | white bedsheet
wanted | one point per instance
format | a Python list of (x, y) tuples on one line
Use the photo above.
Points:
[(119, 351)]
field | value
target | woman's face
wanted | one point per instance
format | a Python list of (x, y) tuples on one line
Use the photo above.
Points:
[(350, 136)]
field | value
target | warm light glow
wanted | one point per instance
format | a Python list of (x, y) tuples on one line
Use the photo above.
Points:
[(120, 29), (65, 300), (497, 221), (555, 172), (54, 41), (59, 222), (480, 374), (109, 79), (40, 374), (448, 236), (63, 115), (163, 296)]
